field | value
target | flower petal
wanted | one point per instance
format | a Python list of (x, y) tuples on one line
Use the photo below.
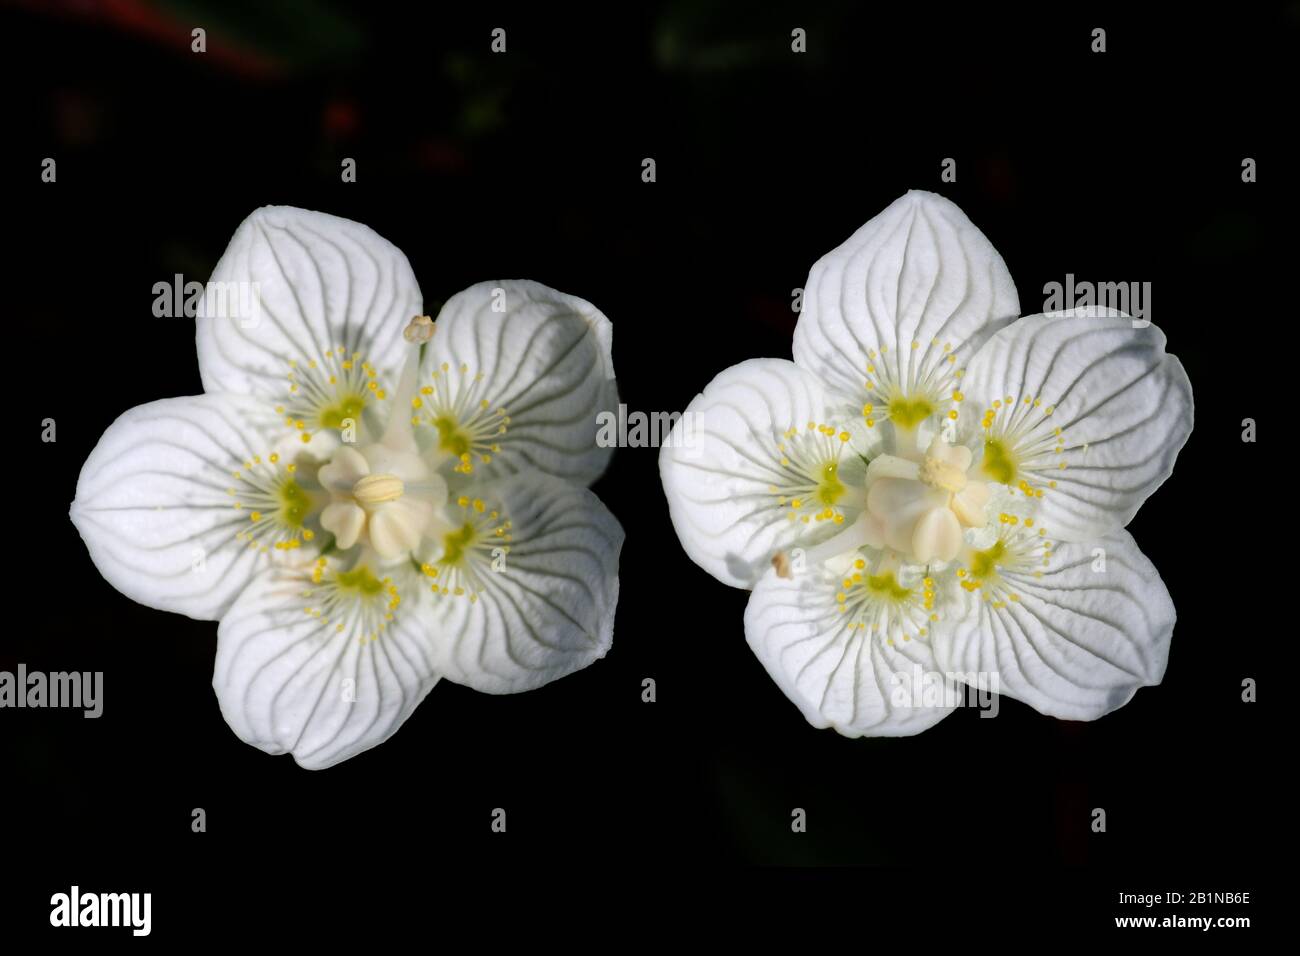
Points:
[(345, 520), (519, 374), (153, 501), (396, 527), (838, 674), (292, 286), (917, 285), (739, 460), (321, 686), (345, 468), (1075, 643), (544, 608), (1098, 413)]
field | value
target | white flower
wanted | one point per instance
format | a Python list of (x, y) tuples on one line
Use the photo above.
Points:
[(363, 512), (932, 488)]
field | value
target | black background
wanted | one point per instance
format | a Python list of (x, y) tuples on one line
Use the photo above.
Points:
[(1122, 166)]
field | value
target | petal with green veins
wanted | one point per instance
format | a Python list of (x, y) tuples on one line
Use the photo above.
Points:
[(847, 656), (518, 610), (322, 290), (182, 500), (1083, 412), (1074, 637), (515, 379), (746, 471), (889, 316), (323, 669)]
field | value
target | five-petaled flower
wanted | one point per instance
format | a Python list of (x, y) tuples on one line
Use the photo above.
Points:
[(931, 487), (366, 499)]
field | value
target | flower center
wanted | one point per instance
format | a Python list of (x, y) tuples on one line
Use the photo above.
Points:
[(940, 474), (922, 509), (388, 496), (385, 496)]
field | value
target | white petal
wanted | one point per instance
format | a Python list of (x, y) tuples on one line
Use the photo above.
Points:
[(847, 678), (1122, 404), (969, 503), (919, 272), (544, 358), (396, 527), (937, 536), (290, 681), (725, 456), (345, 520), (547, 609), (153, 502), (315, 282), (1078, 642), (345, 469), (958, 456)]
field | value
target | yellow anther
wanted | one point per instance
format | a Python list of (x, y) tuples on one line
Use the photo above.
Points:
[(419, 330)]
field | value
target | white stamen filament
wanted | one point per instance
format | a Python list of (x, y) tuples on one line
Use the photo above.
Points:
[(398, 432)]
